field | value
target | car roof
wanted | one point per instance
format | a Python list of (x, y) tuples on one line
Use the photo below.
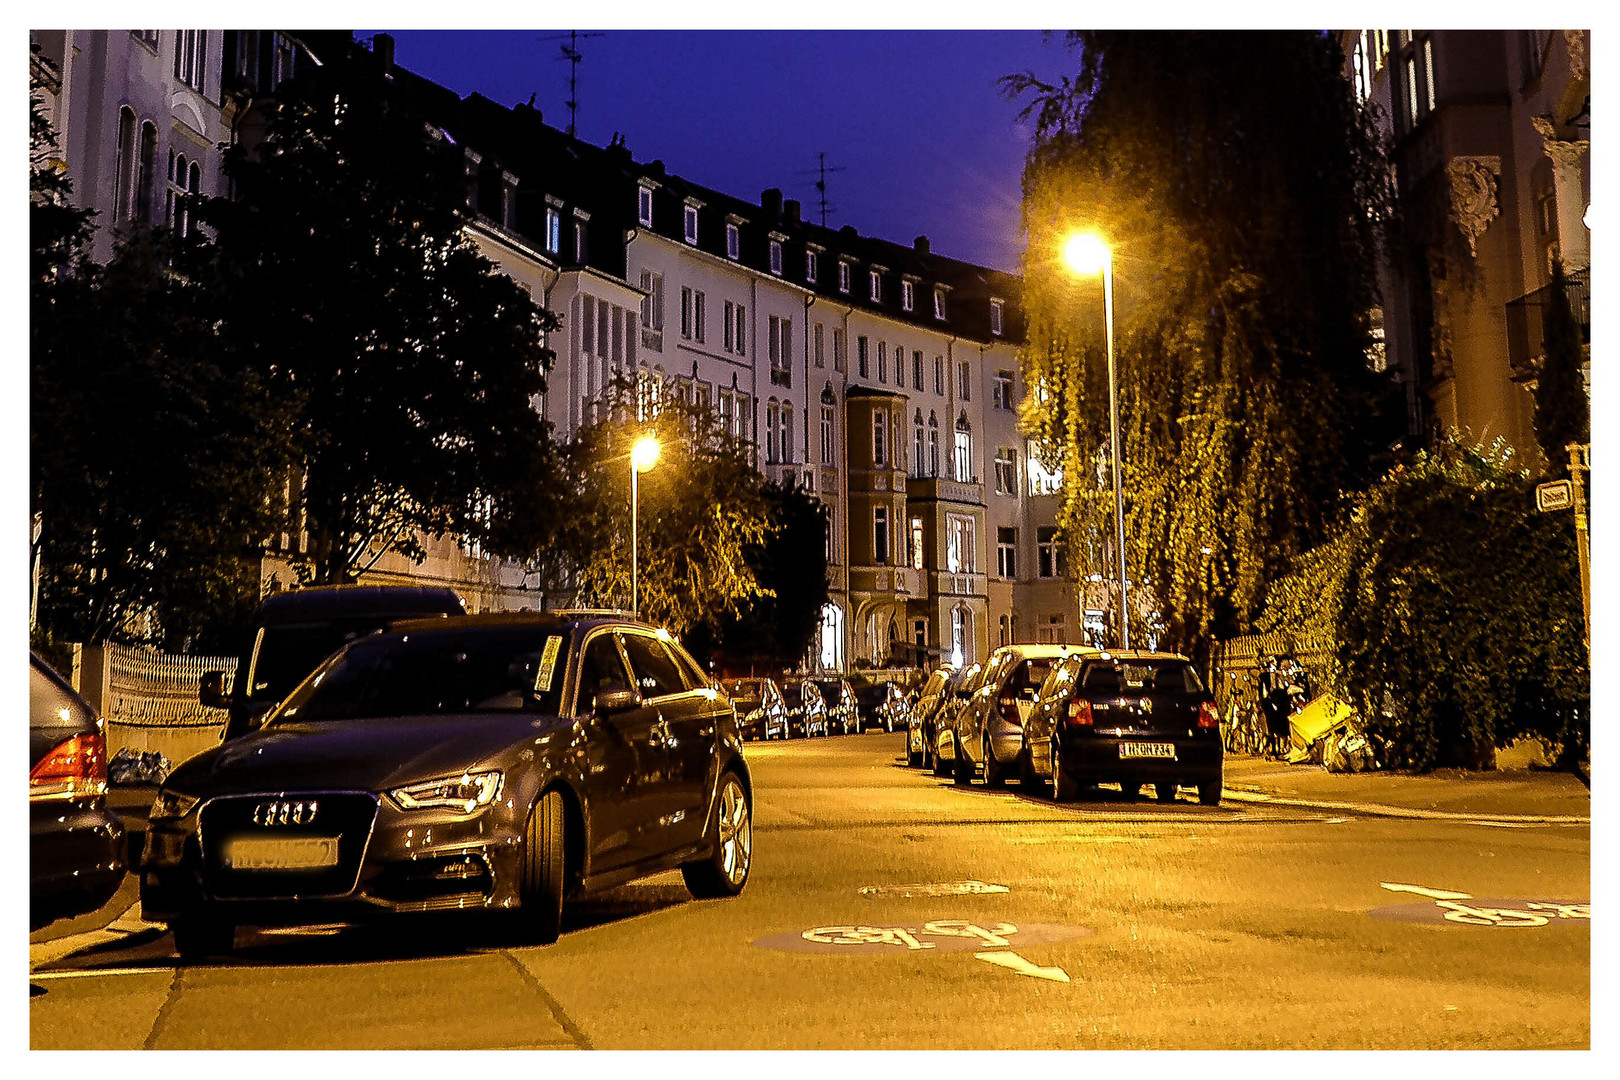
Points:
[(1045, 651), (540, 620), (359, 602), (1137, 654)]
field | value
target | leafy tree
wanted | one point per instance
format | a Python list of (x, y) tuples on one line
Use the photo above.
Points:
[(347, 281), (1447, 653), (1563, 415), (1245, 197), (702, 509)]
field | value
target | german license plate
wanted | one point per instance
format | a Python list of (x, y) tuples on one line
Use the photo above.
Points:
[(1147, 749), (281, 852)]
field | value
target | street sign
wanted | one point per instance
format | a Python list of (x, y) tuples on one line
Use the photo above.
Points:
[(1557, 495)]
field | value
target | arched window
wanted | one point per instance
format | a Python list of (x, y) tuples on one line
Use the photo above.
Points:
[(124, 167), (771, 424), (917, 457), (964, 449), (933, 444), (144, 183), (832, 638)]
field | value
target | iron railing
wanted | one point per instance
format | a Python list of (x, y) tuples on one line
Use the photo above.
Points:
[(1524, 322)]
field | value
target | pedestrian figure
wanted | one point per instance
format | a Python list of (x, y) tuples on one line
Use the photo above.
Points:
[(1276, 702)]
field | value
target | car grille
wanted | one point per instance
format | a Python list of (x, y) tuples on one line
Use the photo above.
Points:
[(348, 815)]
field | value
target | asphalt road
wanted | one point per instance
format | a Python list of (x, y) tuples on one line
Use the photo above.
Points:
[(990, 919)]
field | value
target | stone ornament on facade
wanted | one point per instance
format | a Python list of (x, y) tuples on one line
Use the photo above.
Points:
[(1473, 195), (1575, 42), (1565, 153)]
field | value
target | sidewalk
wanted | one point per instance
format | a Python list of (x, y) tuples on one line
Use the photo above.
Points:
[(1501, 793)]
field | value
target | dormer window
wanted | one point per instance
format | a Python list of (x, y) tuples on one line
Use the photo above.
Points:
[(733, 240), (810, 267), (939, 303), (776, 257), (553, 230), (689, 230), (907, 296), (995, 317), (843, 277), (644, 205), (875, 278)]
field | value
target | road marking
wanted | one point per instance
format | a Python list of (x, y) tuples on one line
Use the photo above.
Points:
[(40, 976), (1499, 913), (1013, 962), (939, 888), (1433, 894), (931, 938)]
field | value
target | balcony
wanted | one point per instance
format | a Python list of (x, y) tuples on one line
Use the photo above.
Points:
[(944, 489), (901, 580), (1524, 323)]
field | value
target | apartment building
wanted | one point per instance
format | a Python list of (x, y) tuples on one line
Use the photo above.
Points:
[(1490, 139)]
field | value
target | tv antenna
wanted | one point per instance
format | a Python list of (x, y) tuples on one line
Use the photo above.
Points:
[(820, 173), (571, 53)]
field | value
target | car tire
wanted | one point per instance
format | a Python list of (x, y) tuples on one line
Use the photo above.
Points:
[(914, 758), (1165, 792), (1209, 794), (1028, 779), (961, 768), (1065, 788), (543, 870), (199, 936), (725, 871), (939, 765), (995, 773), (1129, 792)]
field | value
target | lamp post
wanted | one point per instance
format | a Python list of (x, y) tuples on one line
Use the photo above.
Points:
[(643, 456), (1089, 254)]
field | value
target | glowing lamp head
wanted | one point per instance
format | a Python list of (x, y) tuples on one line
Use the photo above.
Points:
[(644, 455), (1086, 253)]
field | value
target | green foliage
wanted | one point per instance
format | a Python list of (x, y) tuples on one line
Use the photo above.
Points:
[(1454, 612), (1245, 198), (1563, 414), (346, 280)]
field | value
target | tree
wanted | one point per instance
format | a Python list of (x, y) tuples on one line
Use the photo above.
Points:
[(1245, 196), (1563, 415), (348, 282)]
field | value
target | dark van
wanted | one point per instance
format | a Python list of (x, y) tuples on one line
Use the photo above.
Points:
[(294, 631)]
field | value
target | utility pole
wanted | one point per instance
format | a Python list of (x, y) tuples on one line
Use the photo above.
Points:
[(572, 54), (1580, 468)]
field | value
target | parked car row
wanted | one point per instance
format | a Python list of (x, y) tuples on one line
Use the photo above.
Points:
[(1062, 717), (800, 708)]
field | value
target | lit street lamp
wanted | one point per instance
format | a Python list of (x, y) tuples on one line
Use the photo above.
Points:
[(1089, 254), (643, 456)]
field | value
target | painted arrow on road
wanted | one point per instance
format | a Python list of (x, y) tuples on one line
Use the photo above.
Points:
[(1013, 962), (1433, 894)]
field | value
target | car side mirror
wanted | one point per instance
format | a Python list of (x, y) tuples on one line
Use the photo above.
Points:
[(616, 701), (211, 690)]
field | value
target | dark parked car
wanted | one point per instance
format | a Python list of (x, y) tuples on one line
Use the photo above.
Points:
[(1128, 717), (76, 846), (989, 727), (486, 762), (920, 718), (806, 711), (881, 705), (842, 712), (294, 632), (957, 692), (761, 712)]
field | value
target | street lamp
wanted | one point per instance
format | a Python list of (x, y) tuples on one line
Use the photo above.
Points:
[(1089, 254), (643, 456)]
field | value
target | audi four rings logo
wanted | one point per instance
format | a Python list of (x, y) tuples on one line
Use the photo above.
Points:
[(285, 813)]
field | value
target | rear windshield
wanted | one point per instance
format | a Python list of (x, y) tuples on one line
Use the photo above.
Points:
[(283, 656), (746, 688), (1142, 677), (793, 693), (1029, 675), (831, 690), (509, 669)]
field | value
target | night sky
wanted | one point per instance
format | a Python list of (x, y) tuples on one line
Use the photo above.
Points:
[(926, 140)]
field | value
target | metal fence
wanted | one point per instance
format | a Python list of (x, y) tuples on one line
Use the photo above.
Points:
[(149, 698), (1237, 664)]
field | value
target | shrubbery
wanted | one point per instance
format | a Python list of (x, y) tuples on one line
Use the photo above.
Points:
[(1453, 610)]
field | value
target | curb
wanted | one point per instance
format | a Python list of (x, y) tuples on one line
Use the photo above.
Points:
[(1380, 810), (127, 926)]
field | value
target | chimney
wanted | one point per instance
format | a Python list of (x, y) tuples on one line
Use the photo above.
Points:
[(791, 210), (921, 245), (382, 46), (771, 200)]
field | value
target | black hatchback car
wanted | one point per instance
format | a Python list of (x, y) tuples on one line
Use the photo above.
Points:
[(76, 845), (486, 762), (1130, 718)]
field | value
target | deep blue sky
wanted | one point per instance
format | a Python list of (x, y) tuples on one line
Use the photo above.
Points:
[(927, 142)]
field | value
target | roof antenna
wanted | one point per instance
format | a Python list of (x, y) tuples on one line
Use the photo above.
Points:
[(820, 172), (570, 52)]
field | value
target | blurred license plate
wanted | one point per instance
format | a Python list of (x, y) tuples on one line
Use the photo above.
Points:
[(1147, 749), (282, 852)]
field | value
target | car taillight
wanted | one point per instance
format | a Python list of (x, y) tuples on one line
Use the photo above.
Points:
[(74, 769), (1009, 712), (1208, 715), (1080, 713)]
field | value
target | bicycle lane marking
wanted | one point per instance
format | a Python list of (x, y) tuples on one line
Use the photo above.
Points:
[(1449, 907)]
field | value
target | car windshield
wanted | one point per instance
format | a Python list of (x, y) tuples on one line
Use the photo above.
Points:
[(1142, 677), (793, 694), (284, 655), (831, 689), (504, 669)]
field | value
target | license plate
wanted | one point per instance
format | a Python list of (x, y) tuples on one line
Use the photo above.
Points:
[(1147, 749), (281, 852)]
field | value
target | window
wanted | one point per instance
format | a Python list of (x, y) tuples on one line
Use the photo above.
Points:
[(959, 544), (933, 445), (1006, 472), (964, 450), (810, 267), (964, 381), (727, 410), (939, 303), (146, 178), (776, 257), (1360, 65), (880, 535), (1048, 555), (1001, 394), (876, 280), (916, 545), (787, 433), (686, 312), (689, 224), (697, 316), (742, 331), (880, 437), (770, 432), (906, 295), (1411, 91), (553, 230), (961, 648), (995, 317), (739, 421), (587, 324), (1428, 70), (579, 243), (733, 241), (883, 362), (1006, 552), (832, 531), (149, 38), (939, 375), (838, 350), (1041, 482), (644, 206), (780, 349), (729, 330), (191, 57), (861, 357), (917, 456), (917, 370), (185, 178), (821, 359), (843, 277), (826, 434)]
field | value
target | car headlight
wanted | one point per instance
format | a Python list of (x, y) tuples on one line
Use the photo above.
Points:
[(463, 794), (170, 805)]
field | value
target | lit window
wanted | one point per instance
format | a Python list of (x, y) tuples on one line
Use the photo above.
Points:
[(553, 230), (1428, 70), (827, 434), (917, 549), (964, 450)]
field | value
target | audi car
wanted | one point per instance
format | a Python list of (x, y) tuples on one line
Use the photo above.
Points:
[(492, 762)]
